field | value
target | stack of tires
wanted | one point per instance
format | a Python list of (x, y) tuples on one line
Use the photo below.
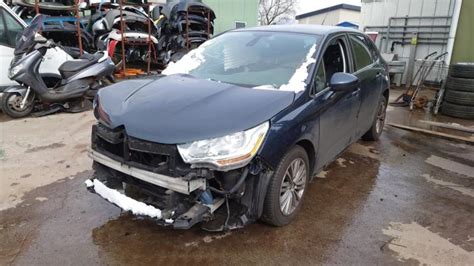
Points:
[(459, 95)]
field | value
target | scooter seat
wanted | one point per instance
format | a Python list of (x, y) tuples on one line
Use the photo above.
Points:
[(71, 67)]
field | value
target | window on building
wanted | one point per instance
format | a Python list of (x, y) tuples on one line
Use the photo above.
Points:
[(240, 24)]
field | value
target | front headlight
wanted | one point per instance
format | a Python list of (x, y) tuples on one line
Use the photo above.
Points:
[(99, 111), (225, 153), (14, 70)]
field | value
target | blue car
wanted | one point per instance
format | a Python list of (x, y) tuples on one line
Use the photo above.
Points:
[(235, 131)]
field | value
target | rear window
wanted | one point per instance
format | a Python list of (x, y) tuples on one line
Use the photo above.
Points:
[(362, 54)]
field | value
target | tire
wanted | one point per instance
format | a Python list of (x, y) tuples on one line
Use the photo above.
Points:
[(272, 209), (462, 70), (376, 129), (460, 84), (8, 107), (460, 97), (459, 111)]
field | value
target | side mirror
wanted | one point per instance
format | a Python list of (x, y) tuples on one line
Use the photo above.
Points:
[(343, 82), (40, 39)]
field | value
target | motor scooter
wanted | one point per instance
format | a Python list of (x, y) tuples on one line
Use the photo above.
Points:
[(80, 78)]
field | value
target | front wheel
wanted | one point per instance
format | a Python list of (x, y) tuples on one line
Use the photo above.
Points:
[(12, 105), (286, 188)]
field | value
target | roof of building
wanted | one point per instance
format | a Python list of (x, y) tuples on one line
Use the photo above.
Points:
[(328, 9), (300, 28)]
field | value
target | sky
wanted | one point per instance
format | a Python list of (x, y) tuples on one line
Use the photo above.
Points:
[(311, 5)]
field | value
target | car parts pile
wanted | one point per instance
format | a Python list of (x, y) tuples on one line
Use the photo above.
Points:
[(183, 26), (176, 28)]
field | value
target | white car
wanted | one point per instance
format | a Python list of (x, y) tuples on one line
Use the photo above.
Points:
[(10, 26)]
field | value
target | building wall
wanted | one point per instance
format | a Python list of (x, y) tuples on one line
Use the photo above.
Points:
[(328, 18), (332, 18), (349, 15), (378, 12), (463, 44), (230, 11)]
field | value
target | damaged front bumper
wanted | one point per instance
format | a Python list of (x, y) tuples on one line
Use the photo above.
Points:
[(138, 175), (186, 220)]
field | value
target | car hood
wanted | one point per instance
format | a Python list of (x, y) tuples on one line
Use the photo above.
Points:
[(180, 108)]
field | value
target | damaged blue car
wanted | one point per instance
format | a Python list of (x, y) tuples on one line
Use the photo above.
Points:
[(235, 131)]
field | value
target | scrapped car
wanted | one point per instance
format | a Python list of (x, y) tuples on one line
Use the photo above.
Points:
[(235, 131)]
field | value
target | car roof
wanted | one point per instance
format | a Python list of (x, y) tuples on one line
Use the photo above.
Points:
[(301, 28)]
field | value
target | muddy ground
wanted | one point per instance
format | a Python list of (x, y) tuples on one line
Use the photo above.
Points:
[(408, 198)]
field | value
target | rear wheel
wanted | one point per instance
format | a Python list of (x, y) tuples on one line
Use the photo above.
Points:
[(286, 188), (379, 121), (12, 105)]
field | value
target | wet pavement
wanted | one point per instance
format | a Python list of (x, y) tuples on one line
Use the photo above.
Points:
[(408, 198)]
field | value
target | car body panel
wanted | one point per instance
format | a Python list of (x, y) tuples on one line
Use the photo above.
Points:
[(180, 108)]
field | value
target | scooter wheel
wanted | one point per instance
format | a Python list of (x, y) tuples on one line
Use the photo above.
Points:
[(11, 105)]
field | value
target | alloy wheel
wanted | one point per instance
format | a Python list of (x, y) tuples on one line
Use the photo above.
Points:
[(15, 103), (292, 186), (381, 114)]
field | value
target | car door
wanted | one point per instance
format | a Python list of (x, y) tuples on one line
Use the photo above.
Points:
[(9, 28), (338, 111), (370, 72)]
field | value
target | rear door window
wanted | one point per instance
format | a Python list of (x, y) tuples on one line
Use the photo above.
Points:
[(362, 54), (373, 48)]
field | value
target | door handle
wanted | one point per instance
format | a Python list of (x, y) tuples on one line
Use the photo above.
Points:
[(356, 92)]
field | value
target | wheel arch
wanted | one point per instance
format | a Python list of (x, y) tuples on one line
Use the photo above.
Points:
[(308, 146), (386, 94)]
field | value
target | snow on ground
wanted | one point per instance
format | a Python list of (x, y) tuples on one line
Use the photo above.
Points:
[(451, 166), (413, 241), (463, 190), (124, 202)]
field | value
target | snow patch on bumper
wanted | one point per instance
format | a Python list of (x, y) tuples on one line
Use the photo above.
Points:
[(122, 201)]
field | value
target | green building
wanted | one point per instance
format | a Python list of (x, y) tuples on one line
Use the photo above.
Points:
[(231, 14), (462, 51)]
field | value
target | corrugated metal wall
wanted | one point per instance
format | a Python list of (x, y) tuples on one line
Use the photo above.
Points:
[(378, 12)]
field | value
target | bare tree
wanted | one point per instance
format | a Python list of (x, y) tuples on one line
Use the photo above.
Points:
[(276, 11)]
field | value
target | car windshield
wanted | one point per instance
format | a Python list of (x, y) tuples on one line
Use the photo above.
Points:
[(252, 59)]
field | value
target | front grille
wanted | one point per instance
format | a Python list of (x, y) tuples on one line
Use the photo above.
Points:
[(146, 155)]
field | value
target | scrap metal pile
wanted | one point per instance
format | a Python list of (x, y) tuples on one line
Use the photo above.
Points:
[(155, 34)]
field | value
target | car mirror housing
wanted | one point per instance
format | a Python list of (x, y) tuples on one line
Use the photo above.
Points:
[(343, 82)]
